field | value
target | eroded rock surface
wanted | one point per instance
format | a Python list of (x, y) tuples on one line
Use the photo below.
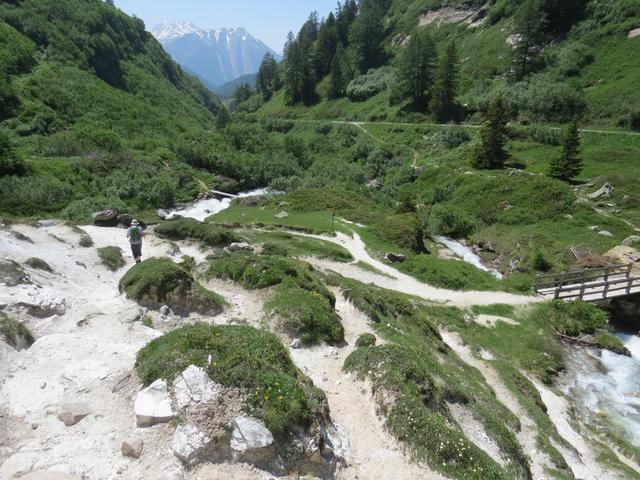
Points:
[(153, 405)]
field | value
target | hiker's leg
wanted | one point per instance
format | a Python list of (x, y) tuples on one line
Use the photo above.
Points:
[(136, 249)]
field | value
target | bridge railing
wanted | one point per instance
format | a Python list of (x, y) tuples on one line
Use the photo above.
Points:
[(599, 290), (558, 280)]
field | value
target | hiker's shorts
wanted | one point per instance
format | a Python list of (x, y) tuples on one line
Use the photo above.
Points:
[(136, 249)]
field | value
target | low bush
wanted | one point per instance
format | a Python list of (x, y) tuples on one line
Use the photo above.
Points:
[(159, 281), (403, 230), (573, 318), (370, 84), (112, 258), (39, 264), (366, 340), (190, 229), (306, 314), (449, 221), (33, 195), (240, 357), (14, 333)]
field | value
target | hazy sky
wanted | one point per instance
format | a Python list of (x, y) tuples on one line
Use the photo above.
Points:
[(267, 20)]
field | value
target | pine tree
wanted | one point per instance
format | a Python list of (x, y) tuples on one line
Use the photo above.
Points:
[(347, 13), (529, 26), (366, 36), (222, 119), (267, 81), (491, 153), (416, 69), (326, 47), (10, 162), (338, 78), (443, 103), (569, 164), (300, 79)]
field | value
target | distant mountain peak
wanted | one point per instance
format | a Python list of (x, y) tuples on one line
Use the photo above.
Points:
[(216, 56)]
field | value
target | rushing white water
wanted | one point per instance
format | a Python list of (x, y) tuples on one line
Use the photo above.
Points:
[(466, 254), (606, 385), (202, 209)]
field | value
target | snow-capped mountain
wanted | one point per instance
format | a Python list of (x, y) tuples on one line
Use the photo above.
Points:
[(216, 56)]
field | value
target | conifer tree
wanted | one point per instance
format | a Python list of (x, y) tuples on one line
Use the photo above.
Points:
[(338, 78), (416, 69), (326, 46), (10, 162), (443, 103), (529, 23), (222, 119), (569, 164), (347, 14), (366, 36), (491, 153), (267, 81), (300, 80)]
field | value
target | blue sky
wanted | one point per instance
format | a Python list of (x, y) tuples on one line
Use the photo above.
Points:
[(268, 20)]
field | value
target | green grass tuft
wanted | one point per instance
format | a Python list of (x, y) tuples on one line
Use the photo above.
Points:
[(112, 258), (190, 229)]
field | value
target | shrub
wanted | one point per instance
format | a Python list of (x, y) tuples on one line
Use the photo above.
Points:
[(574, 58), (366, 340), (274, 249), (112, 258), (607, 341), (306, 314), (453, 137), (10, 162), (239, 357), (79, 211), (540, 262), (573, 318), (159, 281), (33, 195), (39, 264), (403, 230), (190, 229), (449, 221), (544, 135), (369, 85)]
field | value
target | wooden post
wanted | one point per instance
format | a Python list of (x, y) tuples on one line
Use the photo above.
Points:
[(582, 291), (606, 291), (557, 294), (629, 285), (629, 270), (606, 274)]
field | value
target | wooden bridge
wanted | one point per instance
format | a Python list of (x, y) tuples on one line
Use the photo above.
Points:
[(590, 285)]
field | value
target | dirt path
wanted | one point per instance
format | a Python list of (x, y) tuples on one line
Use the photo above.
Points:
[(373, 453), (404, 283), (528, 433)]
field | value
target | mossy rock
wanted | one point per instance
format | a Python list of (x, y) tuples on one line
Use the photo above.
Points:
[(39, 264), (112, 258), (159, 281), (366, 340), (190, 229), (12, 273), (15, 334), (243, 357)]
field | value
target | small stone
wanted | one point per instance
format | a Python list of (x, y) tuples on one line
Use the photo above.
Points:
[(594, 228), (132, 448), (282, 215), (72, 413), (48, 476), (188, 443), (165, 310), (240, 246), (194, 386), (249, 434), (153, 405), (627, 242), (605, 233), (295, 344), (120, 382)]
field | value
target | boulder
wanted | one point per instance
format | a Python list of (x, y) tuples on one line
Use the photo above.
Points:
[(125, 219), (194, 386), (594, 228), (281, 215), (105, 216), (72, 413), (395, 257), (634, 33), (627, 242), (241, 246), (163, 214), (45, 309), (188, 443), (153, 405), (249, 434), (606, 191), (605, 233), (132, 448)]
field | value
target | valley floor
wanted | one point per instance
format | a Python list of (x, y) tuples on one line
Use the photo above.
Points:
[(90, 334)]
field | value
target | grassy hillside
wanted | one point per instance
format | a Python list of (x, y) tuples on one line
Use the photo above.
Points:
[(92, 104)]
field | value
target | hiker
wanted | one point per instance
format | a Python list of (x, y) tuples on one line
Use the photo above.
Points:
[(135, 234)]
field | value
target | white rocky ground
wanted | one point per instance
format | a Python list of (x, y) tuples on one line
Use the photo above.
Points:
[(84, 355)]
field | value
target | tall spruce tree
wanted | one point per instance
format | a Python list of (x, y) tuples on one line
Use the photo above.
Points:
[(529, 27), (222, 119), (347, 14), (416, 69), (338, 79), (366, 36), (491, 152), (300, 79), (267, 81), (569, 164), (326, 45), (443, 102)]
